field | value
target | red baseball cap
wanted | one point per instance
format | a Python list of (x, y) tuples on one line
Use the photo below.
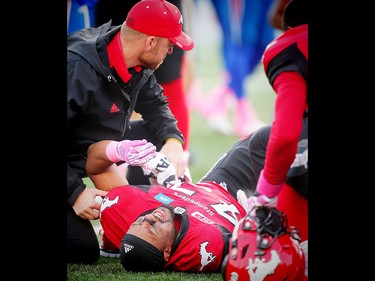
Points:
[(159, 18)]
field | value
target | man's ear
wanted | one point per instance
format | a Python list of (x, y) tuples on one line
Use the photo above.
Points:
[(167, 253), (151, 42)]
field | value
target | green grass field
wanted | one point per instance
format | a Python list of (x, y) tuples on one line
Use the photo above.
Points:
[(206, 146)]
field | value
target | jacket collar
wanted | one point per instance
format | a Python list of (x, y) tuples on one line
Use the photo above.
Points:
[(117, 60)]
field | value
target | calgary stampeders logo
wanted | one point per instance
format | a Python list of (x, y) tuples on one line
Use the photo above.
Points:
[(206, 257)]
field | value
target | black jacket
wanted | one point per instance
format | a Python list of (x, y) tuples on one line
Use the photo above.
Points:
[(93, 88)]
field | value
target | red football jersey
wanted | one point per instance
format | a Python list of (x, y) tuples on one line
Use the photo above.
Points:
[(285, 61), (207, 216), (287, 52)]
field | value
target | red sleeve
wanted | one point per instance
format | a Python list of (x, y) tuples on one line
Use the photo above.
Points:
[(290, 104)]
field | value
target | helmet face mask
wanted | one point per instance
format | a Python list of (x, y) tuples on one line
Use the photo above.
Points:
[(263, 247)]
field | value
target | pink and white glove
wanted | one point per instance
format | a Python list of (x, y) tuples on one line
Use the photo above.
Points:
[(135, 153), (265, 194), (161, 169)]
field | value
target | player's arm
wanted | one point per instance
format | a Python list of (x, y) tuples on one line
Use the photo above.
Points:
[(103, 172), (286, 129), (102, 155)]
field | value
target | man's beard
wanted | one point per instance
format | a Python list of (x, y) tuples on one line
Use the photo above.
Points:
[(148, 61)]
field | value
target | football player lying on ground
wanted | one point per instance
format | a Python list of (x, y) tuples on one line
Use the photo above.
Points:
[(176, 225)]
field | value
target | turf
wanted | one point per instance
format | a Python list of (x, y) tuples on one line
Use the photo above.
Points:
[(110, 269)]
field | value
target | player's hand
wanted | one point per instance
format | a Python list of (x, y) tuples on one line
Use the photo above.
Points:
[(265, 194), (135, 153), (259, 200), (86, 206), (174, 151), (164, 174), (161, 169)]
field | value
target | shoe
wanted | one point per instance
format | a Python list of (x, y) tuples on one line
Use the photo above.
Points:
[(245, 118), (220, 125), (107, 248), (109, 253), (248, 128), (218, 103)]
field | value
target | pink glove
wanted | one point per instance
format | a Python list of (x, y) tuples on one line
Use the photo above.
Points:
[(265, 194), (135, 153)]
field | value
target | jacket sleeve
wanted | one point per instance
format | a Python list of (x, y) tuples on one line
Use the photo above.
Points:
[(75, 185), (154, 108)]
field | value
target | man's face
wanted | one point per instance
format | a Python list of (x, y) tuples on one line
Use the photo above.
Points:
[(155, 57), (156, 228)]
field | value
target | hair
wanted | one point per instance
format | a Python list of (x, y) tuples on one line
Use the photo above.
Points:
[(129, 33), (295, 14)]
